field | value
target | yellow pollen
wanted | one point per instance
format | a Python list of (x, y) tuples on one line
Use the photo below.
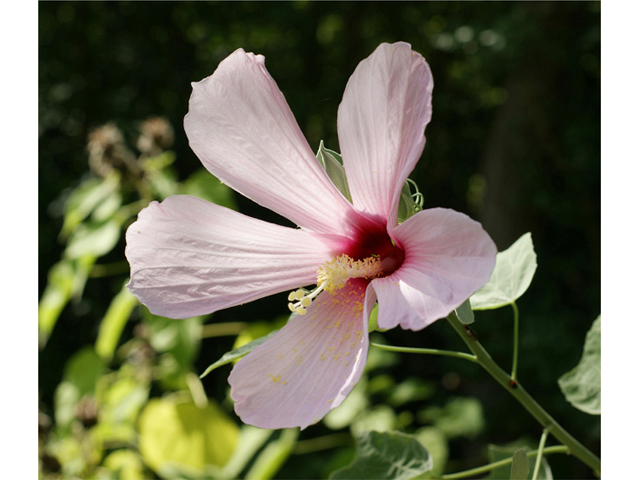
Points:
[(332, 276)]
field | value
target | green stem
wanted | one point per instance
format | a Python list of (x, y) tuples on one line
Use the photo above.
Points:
[(516, 340), (500, 463), (543, 440), (426, 351), (520, 394)]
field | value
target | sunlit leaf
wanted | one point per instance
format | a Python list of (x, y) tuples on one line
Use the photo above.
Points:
[(236, 353), (113, 323), (520, 465), (176, 431), (510, 278), (386, 455), (581, 386), (204, 185)]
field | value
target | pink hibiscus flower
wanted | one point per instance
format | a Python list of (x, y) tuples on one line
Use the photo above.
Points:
[(189, 257)]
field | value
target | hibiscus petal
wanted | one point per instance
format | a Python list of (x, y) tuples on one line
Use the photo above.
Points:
[(190, 257), (241, 128), (381, 120), (309, 367), (448, 257)]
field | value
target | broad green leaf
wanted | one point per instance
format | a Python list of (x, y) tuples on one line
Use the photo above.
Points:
[(204, 185), (94, 239), (179, 432), (55, 296), (581, 386), (461, 417), (113, 323), (510, 278), (497, 453), (273, 456), (520, 465), (236, 353), (332, 163), (387, 455), (465, 313)]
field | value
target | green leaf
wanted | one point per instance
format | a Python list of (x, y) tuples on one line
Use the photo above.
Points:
[(510, 278), (113, 323), (465, 313), (520, 465), (94, 239), (204, 185), (236, 353), (179, 432), (332, 163), (581, 386), (410, 203), (387, 455)]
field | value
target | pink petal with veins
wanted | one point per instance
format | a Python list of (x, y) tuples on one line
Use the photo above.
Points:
[(190, 257), (309, 367), (381, 121)]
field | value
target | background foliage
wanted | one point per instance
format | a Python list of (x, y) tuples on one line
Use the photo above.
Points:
[(514, 142)]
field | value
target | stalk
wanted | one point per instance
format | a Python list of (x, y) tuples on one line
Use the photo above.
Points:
[(520, 394)]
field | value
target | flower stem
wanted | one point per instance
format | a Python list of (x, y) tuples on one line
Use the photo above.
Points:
[(516, 340), (543, 440), (500, 463), (520, 394), (426, 351)]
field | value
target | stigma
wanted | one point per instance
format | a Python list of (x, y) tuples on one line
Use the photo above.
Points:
[(334, 275)]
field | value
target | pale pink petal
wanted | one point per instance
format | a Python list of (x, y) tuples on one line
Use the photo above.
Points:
[(381, 121), (309, 367), (241, 128), (190, 257), (448, 257)]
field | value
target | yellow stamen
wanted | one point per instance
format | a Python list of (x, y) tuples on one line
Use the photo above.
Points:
[(332, 276)]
